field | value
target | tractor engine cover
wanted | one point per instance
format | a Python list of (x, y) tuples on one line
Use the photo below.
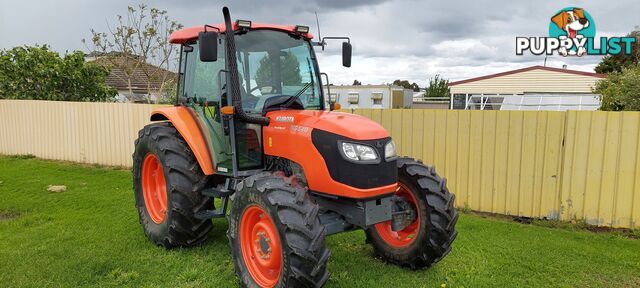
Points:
[(310, 138)]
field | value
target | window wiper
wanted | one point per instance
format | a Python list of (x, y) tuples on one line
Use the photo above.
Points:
[(313, 92), (294, 97)]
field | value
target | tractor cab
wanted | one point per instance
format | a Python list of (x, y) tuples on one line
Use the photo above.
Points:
[(276, 70)]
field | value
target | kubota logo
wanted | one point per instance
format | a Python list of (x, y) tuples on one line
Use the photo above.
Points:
[(572, 32), (284, 119)]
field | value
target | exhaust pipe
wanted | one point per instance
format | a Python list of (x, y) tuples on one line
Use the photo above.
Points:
[(234, 83)]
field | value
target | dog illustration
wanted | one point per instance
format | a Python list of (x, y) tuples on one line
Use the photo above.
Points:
[(571, 22)]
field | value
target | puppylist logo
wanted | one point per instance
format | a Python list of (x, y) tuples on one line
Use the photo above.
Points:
[(572, 32)]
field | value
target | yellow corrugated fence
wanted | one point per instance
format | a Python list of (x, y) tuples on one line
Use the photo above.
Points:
[(601, 168), (99, 133), (581, 165), (558, 165)]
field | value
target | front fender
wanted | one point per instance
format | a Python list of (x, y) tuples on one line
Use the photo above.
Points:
[(187, 125)]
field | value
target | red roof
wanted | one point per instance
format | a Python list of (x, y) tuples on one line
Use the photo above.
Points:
[(538, 67), (186, 34)]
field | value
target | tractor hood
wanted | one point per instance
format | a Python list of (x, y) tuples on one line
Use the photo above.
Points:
[(348, 125), (310, 139)]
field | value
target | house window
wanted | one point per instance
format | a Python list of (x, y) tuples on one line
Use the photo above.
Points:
[(354, 97), (459, 101), (333, 98), (377, 98)]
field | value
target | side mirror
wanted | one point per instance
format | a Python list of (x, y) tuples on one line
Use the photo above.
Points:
[(346, 54), (208, 44)]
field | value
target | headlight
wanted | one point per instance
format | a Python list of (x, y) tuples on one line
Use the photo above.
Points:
[(358, 153), (390, 150)]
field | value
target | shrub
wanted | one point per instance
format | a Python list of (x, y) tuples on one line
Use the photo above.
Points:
[(37, 73), (620, 91)]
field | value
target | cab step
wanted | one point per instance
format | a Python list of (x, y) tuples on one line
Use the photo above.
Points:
[(217, 192), (208, 214), (222, 191)]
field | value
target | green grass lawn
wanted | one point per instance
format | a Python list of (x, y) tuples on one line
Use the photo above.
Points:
[(90, 236)]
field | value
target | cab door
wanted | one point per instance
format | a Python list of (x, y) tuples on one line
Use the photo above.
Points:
[(202, 87), (248, 136)]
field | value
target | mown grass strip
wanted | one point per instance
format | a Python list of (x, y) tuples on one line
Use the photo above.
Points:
[(89, 236)]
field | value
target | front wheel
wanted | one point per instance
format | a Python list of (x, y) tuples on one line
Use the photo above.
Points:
[(427, 239), (275, 234)]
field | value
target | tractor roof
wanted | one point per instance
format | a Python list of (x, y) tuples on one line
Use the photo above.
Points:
[(183, 35)]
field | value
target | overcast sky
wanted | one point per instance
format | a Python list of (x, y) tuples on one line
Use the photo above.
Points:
[(396, 39)]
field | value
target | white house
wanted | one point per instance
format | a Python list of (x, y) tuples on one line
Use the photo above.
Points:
[(531, 88), (370, 96)]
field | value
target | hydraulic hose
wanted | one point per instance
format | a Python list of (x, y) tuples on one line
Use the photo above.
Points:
[(234, 82)]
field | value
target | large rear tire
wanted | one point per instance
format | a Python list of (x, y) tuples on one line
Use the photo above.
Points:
[(427, 239), (275, 234), (167, 180)]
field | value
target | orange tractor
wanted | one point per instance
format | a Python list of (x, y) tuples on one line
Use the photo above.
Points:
[(253, 128)]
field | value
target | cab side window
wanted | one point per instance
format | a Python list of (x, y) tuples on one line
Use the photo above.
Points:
[(201, 79)]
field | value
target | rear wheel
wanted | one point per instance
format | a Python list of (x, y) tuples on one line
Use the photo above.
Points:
[(428, 238), (167, 181), (275, 234)]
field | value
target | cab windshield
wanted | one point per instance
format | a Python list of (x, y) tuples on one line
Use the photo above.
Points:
[(276, 68)]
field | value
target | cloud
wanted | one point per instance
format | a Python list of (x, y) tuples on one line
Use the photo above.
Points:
[(392, 39), (472, 48)]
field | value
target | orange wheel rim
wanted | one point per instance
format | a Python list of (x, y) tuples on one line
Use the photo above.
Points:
[(154, 188), (260, 245), (403, 238)]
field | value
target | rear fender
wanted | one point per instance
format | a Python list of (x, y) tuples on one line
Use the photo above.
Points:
[(187, 125)]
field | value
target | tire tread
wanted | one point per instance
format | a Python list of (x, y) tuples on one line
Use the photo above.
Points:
[(442, 217), (302, 234), (185, 179)]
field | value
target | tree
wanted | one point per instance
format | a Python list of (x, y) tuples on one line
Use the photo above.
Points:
[(289, 65), (438, 87), (404, 83), (615, 63), (139, 38), (290, 68), (620, 91), (37, 73), (356, 83), (170, 92)]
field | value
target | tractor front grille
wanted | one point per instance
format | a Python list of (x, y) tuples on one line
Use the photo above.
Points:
[(362, 176)]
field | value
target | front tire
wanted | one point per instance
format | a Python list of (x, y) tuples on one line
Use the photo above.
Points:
[(167, 180), (275, 234), (428, 239)]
